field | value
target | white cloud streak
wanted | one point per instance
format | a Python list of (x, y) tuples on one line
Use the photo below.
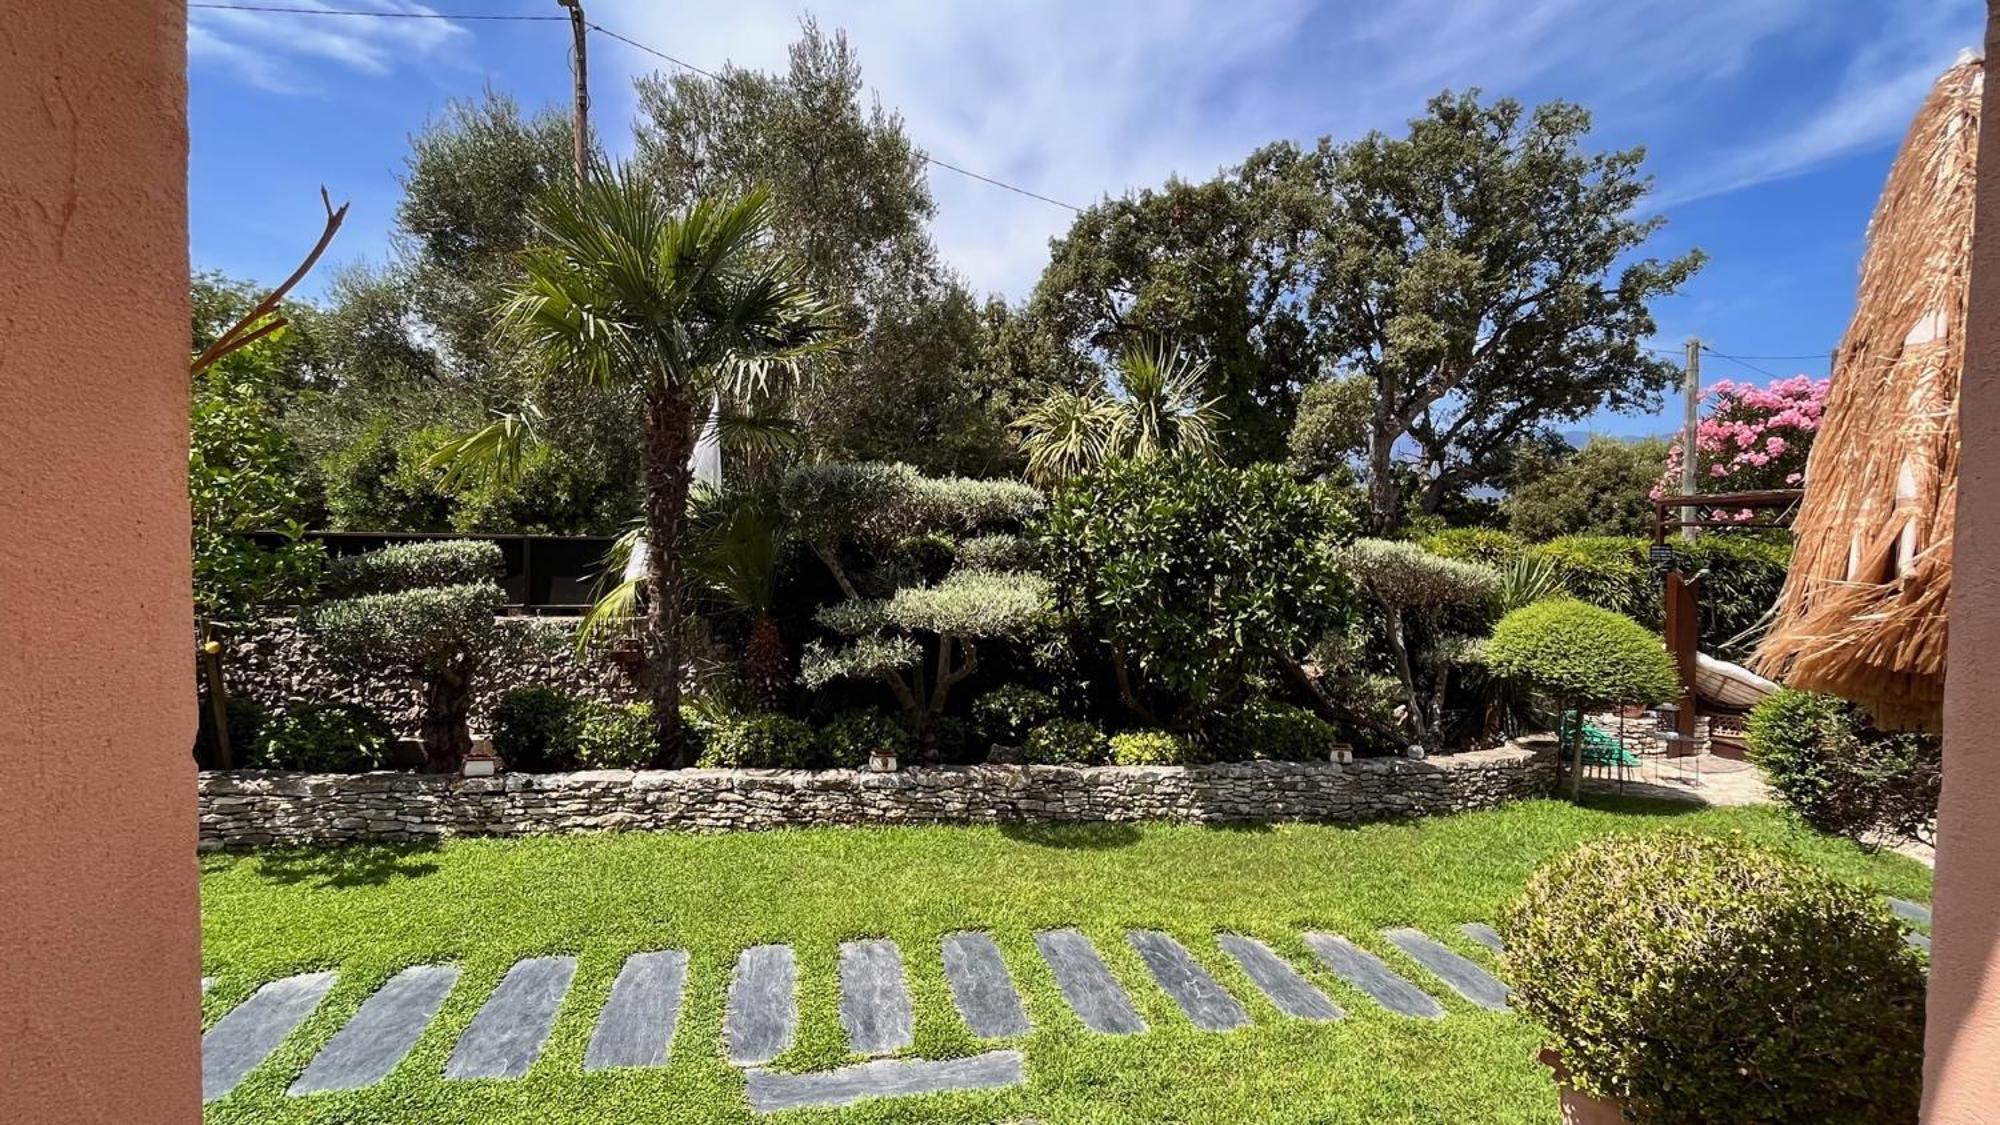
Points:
[(277, 52)]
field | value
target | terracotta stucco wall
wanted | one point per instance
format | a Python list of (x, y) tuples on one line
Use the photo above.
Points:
[(1962, 1045), (99, 922)]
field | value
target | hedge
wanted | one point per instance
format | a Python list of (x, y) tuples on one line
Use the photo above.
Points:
[(411, 566)]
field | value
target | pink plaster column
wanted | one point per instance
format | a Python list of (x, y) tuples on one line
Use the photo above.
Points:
[(1962, 1033), (100, 947)]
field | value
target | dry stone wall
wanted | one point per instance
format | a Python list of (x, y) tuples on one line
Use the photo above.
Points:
[(242, 809)]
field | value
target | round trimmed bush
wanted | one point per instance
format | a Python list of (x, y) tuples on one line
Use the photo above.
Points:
[(760, 742), (1266, 730), (1838, 773), (1582, 655), (535, 729), (1148, 748), (1065, 742), (1695, 979), (850, 737), (1007, 713), (323, 738), (616, 736)]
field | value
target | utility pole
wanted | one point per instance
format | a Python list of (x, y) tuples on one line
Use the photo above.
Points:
[(1691, 390), (580, 114)]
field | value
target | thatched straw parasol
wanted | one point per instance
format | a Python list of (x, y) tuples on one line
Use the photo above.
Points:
[(1863, 610)]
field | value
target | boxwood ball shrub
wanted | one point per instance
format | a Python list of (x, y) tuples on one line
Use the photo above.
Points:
[(413, 566), (1696, 979), (1006, 714), (761, 742), (1267, 730), (847, 740), (1065, 742), (1581, 655), (1149, 748), (323, 738), (1831, 766), (535, 729)]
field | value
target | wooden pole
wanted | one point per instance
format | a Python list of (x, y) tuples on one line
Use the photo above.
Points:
[(1683, 640), (218, 703), (579, 67), (1691, 427)]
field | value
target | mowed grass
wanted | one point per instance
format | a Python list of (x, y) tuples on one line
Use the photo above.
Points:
[(485, 904)]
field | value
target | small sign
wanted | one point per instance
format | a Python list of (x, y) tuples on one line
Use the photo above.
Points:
[(1661, 555)]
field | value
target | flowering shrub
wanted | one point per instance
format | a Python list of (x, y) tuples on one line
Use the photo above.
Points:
[(1753, 437)]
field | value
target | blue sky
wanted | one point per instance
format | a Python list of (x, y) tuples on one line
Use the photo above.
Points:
[(1769, 123)]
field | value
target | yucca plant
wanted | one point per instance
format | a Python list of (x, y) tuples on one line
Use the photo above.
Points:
[(1152, 406)]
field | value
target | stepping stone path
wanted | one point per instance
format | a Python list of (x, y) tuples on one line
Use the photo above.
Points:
[(637, 1023), (1366, 972), (1461, 974), (874, 1002), (763, 1011), (1912, 912), (1294, 995), (1483, 934), (1097, 997), (504, 1039), (254, 1028), (771, 1091), (1182, 977), (981, 988), (381, 1032)]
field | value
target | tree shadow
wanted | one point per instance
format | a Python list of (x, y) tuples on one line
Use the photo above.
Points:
[(1072, 837), (1640, 799), (361, 865)]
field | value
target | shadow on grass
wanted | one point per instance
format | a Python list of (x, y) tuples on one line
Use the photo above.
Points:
[(1073, 837), (365, 865), (1637, 802)]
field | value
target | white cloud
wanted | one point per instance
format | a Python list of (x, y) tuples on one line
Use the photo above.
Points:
[(273, 50)]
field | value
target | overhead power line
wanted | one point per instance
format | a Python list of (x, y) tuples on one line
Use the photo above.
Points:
[(608, 33)]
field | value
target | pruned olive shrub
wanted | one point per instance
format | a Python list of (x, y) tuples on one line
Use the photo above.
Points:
[(1416, 592), (1694, 979), (413, 566), (1066, 742), (1839, 774)]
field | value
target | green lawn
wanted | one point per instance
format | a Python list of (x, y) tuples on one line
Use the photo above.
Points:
[(485, 904)]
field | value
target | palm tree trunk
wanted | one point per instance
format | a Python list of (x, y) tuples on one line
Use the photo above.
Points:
[(764, 663), (669, 426)]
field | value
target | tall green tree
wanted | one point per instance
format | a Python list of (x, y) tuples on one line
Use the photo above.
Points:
[(1603, 489), (1472, 271), (667, 307)]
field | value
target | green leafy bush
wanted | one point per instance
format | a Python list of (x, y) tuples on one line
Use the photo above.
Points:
[(535, 729), (1606, 571), (323, 738), (1605, 488), (616, 736), (1195, 575), (1579, 654), (1266, 730), (244, 476), (1149, 748), (761, 742), (1006, 714), (1476, 544), (379, 481), (847, 740), (1004, 553), (413, 566), (1698, 980), (1839, 774), (1065, 742), (1741, 575)]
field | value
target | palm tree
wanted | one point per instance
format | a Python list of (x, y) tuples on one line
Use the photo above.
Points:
[(1152, 406), (672, 308)]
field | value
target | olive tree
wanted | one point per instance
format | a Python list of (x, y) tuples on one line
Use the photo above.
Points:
[(1414, 587)]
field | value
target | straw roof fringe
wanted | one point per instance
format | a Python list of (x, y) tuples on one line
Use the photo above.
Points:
[(1862, 614)]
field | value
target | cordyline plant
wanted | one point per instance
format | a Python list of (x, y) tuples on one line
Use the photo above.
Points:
[(1754, 438)]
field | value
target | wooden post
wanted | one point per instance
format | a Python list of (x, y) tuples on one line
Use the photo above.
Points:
[(580, 112), (218, 703), (1683, 640)]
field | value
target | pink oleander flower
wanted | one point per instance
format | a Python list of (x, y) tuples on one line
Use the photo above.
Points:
[(1752, 437)]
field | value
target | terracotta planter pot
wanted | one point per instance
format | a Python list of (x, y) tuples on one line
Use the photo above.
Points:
[(1579, 1108)]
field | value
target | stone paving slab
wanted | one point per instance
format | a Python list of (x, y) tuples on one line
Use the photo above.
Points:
[(1461, 974), (1483, 934), (1918, 941), (874, 1001), (981, 987), (1915, 913), (1097, 997), (381, 1033), (771, 1091), (1207, 1004), (207, 983), (1366, 972), (249, 1033), (637, 1023), (763, 1009), (1293, 994), (506, 1036)]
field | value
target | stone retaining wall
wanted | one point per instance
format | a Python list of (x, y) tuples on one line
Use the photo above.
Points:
[(242, 809)]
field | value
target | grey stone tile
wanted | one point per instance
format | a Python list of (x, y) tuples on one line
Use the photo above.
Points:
[(207, 983), (382, 1031), (1099, 1000), (884, 1078), (874, 1001), (1208, 1005), (763, 1008), (1915, 913), (1918, 941), (506, 1036), (637, 1023), (1461, 974), (1293, 994), (981, 986), (1483, 934), (1366, 972), (247, 1035)]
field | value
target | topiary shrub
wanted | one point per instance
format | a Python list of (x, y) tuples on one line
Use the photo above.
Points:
[(1006, 714), (323, 738), (616, 736), (413, 566), (761, 742), (1149, 748), (1484, 545), (1266, 730), (847, 740), (1065, 742), (1005, 553), (1696, 980), (1831, 766), (535, 729), (1422, 597), (1581, 656)]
